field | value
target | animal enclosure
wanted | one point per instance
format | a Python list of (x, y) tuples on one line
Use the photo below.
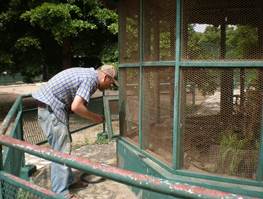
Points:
[(191, 88)]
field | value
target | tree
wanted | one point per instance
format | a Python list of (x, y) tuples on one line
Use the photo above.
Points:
[(38, 36)]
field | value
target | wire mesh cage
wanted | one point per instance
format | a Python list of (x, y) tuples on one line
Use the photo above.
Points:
[(114, 114), (129, 32), (11, 191), (205, 120), (157, 122), (32, 130), (159, 30), (220, 117), (129, 103), (228, 29)]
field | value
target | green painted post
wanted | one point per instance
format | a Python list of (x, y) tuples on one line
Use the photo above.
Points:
[(25, 170), (107, 119), (107, 114), (141, 101), (10, 115), (176, 119), (20, 134)]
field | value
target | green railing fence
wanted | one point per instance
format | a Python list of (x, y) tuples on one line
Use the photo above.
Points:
[(12, 162)]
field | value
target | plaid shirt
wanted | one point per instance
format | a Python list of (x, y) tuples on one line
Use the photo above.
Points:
[(61, 89)]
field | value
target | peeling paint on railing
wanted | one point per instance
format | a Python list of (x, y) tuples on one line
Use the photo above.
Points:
[(124, 176)]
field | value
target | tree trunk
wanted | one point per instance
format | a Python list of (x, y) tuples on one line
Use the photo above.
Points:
[(66, 54)]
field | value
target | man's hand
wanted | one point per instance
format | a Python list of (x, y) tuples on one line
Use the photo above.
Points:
[(78, 107), (98, 118)]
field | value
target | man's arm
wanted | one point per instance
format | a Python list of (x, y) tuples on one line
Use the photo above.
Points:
[(78, 107)]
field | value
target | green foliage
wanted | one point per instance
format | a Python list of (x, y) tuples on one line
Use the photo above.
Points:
[(232, 155), (22, 194), (230, 158), (207, 87), (113, 28), (204, 45), (59, 19), (241, 41), (27, 42), (102, 138), (33, 35), (110, 54), (6, 60), (107, 17), (6, 17), (132, 35)]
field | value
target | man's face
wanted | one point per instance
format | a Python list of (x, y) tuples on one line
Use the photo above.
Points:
[(106, 83)]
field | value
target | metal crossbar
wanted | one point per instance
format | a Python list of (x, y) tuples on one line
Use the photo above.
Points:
[(147, 182), (13, 187)]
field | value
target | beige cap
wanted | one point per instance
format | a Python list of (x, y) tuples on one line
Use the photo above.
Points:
[(111, 71)]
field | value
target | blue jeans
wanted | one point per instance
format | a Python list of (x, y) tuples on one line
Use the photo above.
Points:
[(59, 138)]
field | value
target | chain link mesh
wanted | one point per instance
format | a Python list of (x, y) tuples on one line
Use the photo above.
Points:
[(129, 31), (159, 30), (157, 123), (129, 105), (10, 191), (228, 29), (220, 117), (114, 114), (31, 128)]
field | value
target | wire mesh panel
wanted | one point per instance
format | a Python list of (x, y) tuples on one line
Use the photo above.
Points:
[(77, 122), (129, 104), (226, 29), (13, 158), (220, 117), (10, 191), (159, 30), (129, 12), (32, 130), (158, 85), (13, 187), (114, 113)]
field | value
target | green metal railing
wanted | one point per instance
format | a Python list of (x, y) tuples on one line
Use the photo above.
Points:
[(12, 162), (147, 182)]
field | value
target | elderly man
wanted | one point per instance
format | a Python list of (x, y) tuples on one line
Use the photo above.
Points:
[(69, 90)]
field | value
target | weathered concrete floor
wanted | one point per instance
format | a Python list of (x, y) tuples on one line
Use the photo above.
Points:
[(98, 188)]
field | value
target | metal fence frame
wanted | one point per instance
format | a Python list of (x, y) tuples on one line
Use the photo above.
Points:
[(14, 142)]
